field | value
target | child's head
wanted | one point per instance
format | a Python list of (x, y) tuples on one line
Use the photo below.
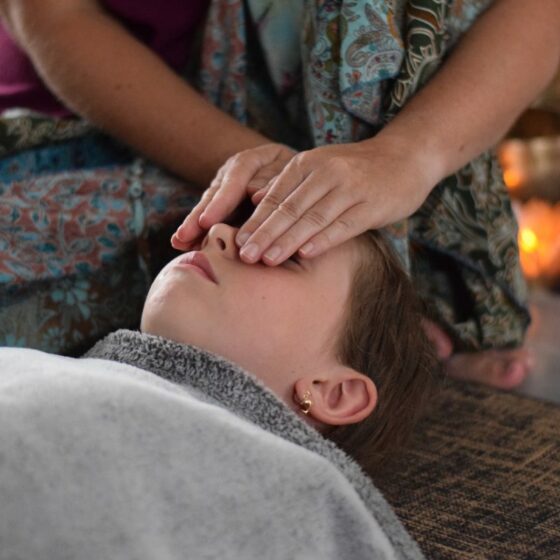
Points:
[(383, 338), (343, 327)]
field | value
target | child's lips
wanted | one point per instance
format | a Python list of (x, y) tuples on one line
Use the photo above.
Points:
[(200, 261)]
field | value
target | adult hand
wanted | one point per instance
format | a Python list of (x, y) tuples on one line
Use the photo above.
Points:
[(242, 175), (330, 194)]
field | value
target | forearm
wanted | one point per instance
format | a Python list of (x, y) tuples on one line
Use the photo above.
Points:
[(509, 55), (105, 75)]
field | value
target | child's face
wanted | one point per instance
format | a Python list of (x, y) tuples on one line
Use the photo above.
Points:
[(276, 322)]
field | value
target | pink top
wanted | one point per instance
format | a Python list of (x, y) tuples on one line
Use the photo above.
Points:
[(166, 27)]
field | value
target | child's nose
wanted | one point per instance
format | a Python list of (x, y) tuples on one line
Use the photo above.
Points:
[(222, 237)]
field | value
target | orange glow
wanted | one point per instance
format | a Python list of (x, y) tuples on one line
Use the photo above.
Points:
[(539, 240), (512, 178), (515, 159), (528, 240)]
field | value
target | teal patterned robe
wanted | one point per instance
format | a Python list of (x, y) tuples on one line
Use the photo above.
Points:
[(338, 71)]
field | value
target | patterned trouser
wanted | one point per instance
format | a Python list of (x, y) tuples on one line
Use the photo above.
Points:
[(83, 229)]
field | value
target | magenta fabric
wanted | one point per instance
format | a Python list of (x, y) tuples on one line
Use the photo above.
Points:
[(166, 27)]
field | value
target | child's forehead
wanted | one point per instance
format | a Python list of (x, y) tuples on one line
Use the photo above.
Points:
[(364, 249), (349, 253)]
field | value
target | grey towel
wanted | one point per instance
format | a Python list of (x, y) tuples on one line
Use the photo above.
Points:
[(151, 449)]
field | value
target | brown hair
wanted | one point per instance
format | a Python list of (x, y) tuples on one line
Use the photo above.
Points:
[(383, 338)]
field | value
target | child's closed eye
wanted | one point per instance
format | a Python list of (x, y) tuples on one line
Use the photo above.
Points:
[(295, 258)]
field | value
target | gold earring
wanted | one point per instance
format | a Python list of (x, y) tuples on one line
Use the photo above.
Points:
[(305, 403)]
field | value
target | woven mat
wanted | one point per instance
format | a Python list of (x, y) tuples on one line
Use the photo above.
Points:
[(481, 479)]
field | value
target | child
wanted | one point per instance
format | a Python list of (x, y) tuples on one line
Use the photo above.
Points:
[(334, 329), (111, 460)]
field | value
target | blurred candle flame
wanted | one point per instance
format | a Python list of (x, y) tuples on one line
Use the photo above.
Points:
[(539, 240), (513, 178), (528, 240)]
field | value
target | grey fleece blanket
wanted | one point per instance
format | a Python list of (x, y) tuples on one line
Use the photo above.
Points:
[(148, 449)]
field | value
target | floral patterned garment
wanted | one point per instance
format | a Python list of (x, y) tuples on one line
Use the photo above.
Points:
[(61, 222), (360, 61), (83, 228)]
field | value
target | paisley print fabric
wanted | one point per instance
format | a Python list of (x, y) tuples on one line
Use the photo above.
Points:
[(360, 62), (84, 227), (467, 225), (55, 224), (66, 315), (21, 130)]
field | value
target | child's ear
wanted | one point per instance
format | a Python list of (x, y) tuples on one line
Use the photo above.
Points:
[(345, 396)]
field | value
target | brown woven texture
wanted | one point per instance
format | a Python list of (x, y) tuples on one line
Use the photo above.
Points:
[(481, 478)]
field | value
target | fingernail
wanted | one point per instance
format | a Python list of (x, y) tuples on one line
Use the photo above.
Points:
[(273, 254), (307, 249), (250, 251), (242, 238), (181, 244), (179, 233)]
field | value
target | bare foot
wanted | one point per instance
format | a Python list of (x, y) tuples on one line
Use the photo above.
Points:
[(441, 342), (504, 369)]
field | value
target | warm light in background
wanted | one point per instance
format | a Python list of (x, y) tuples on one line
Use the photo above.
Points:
[(531, 172), (515, 159), (528, 240), (539, 240), (513, 178), (531, 168)]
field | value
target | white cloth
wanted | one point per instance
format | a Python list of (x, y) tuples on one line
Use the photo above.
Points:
[(100, 459)]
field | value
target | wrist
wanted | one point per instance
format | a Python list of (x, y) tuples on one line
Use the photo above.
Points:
[(419, 158)]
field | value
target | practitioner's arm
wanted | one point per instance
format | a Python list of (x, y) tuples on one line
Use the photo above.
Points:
[(103, 73), (501, 64), (333, 193)]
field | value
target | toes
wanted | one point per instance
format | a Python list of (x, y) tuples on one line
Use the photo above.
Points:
[(503, 369), (512, 375), (440, 340)]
